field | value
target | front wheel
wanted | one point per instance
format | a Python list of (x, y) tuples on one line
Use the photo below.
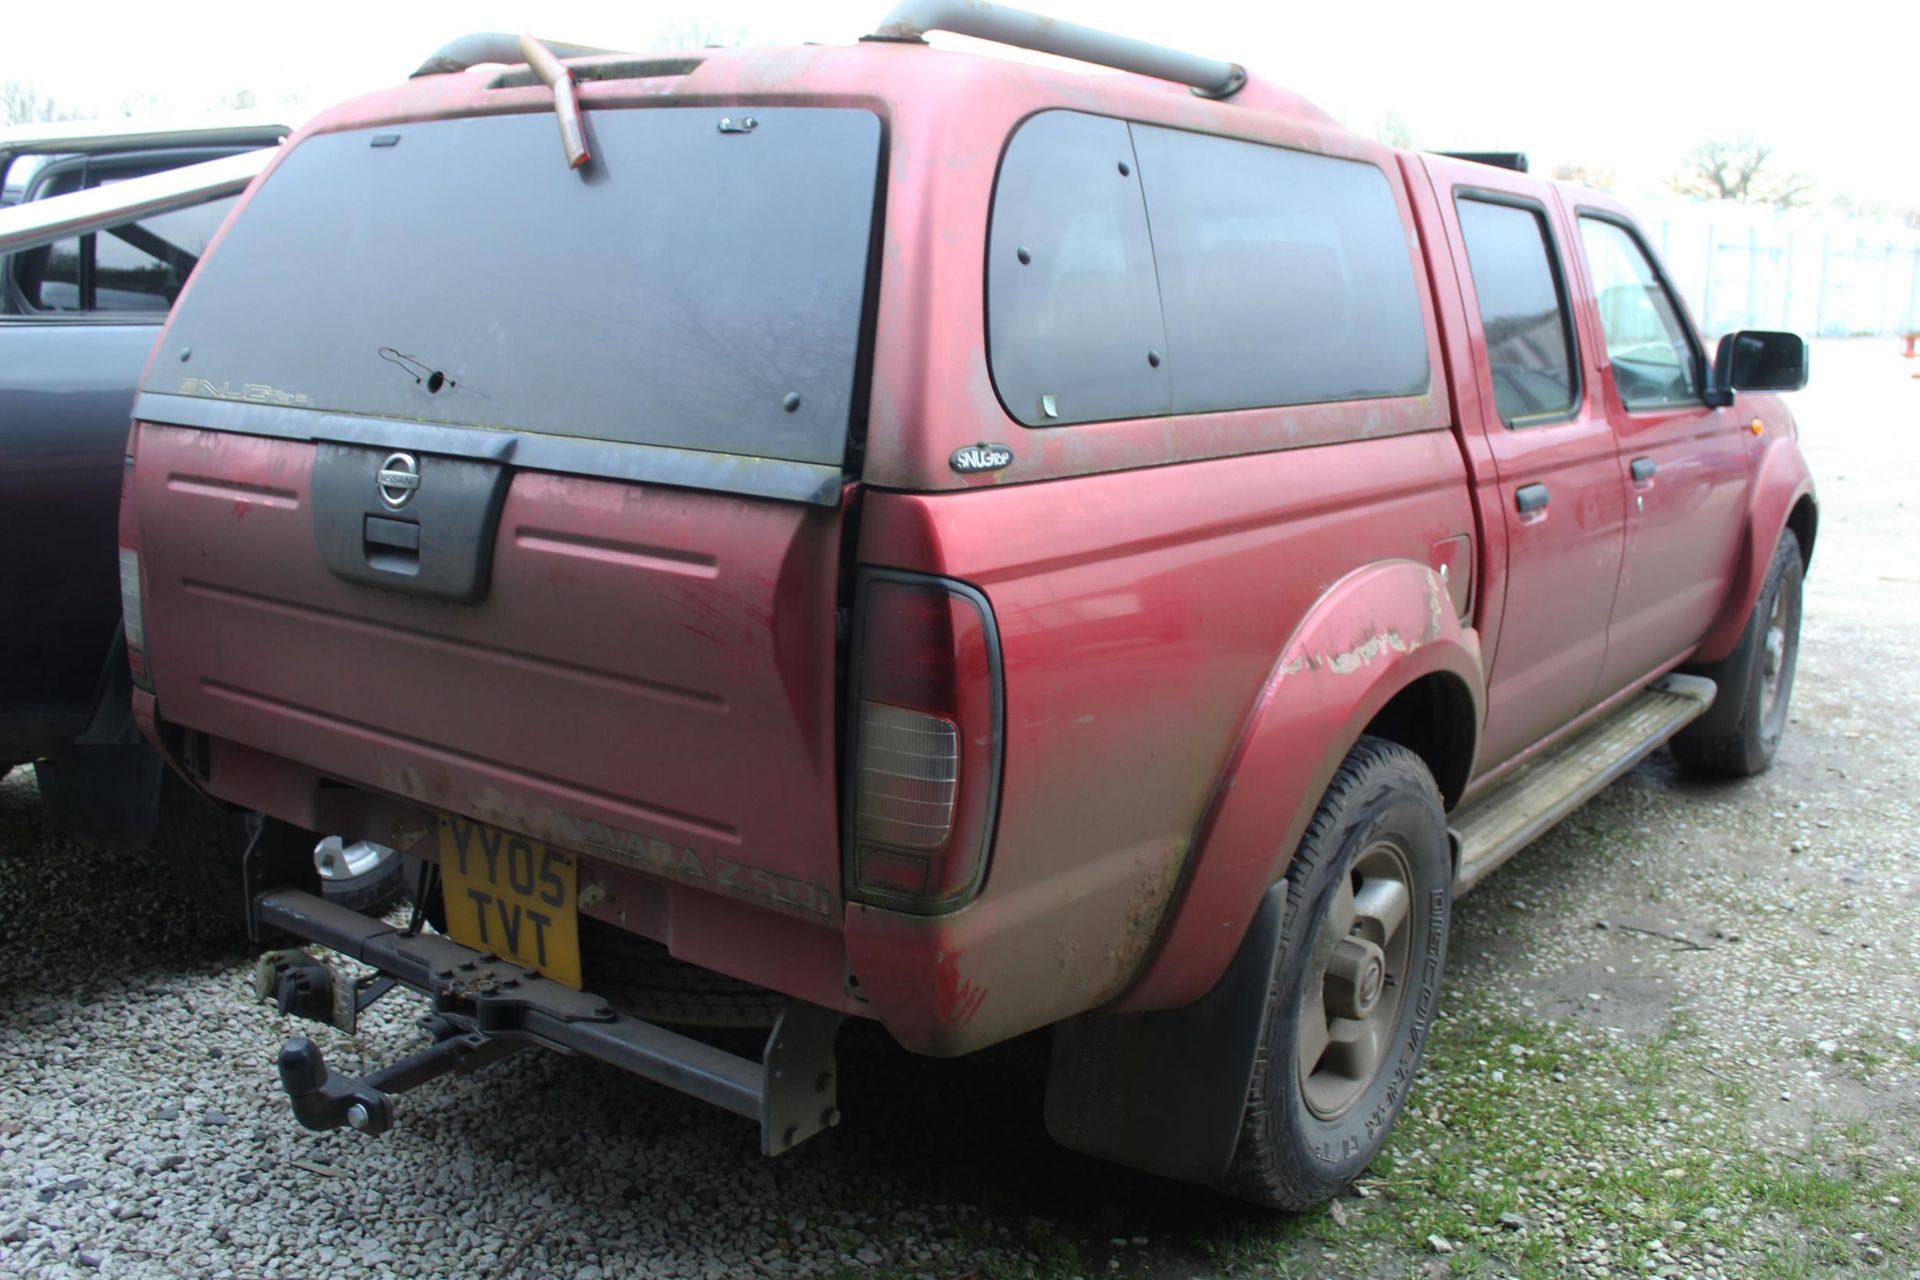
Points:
[(1356, 983), (1741, 731)]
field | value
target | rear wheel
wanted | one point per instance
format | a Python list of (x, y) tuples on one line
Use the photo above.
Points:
[(203, 844), (1741, 731), (639, 977), (1356, 982)]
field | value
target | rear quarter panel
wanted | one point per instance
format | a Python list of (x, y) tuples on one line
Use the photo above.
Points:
[(1143, 615), (1146, 575)]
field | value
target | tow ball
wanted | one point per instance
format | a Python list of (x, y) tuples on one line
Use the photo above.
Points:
[(304, 987), (325, 1099)]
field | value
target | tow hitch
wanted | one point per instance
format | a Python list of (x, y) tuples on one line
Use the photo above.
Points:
[(485, 1008), (325, 1100)]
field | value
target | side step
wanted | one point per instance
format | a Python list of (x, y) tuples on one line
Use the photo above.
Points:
[(1494, 826)]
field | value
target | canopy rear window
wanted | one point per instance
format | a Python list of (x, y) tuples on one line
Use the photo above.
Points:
[(692, 288)]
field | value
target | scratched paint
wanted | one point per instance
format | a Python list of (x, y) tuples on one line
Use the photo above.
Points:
[(956, 998)]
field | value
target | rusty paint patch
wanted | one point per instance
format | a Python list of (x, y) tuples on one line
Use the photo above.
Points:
[(1367, 651), (1374, 646)]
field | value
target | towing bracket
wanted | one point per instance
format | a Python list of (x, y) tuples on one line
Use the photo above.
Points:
[(485, 1007)]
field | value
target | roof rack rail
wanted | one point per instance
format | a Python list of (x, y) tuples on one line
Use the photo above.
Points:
[(912, 19), (493, 46), (1515, 160), (41, 222)]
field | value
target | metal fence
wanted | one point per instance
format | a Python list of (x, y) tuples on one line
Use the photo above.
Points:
[(1821, 274)]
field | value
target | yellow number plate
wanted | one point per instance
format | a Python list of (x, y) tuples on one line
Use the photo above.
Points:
[(512, 896)]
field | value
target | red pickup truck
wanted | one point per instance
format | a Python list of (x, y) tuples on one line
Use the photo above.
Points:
[(885, 533)]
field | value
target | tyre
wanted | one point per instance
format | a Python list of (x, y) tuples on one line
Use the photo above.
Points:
[(203, 845), (1356, 982), (1740, 732), (373, 889), (638, 977)]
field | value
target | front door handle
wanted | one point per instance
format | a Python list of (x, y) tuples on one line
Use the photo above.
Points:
[(1642, 470), (1529, 498)]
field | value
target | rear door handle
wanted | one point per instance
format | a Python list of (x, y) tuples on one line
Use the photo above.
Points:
[(1642, 470), (1529, 498)]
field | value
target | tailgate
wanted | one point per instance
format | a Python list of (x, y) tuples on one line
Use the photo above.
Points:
[(648, 675), (517, 490)]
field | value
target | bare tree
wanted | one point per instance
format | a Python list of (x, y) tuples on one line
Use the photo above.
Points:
[(1855, 207), (148, 105), (696, 33), (1738, 171), (1586, 175), (22, 104), (1392, 129), (139, 105)]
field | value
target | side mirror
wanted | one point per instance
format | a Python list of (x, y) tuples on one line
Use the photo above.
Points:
[(1757, 360)]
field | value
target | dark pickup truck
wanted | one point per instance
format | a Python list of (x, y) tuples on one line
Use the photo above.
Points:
[(79, 312)]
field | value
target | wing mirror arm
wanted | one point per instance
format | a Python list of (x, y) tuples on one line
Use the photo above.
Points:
[(1718, 394)]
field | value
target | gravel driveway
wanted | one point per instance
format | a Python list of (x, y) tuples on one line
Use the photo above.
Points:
[(1682, 1037)]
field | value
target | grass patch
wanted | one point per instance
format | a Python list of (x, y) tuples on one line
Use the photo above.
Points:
[(1635, 1157), (1865, 1055)]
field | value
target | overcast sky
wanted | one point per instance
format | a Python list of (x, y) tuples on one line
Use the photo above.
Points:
[(1628, 87)]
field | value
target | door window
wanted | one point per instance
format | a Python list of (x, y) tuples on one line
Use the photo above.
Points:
[(1136, 270), (1523, 310), (138, 267), (1653, 357), (1285, 276), (1073, 311)]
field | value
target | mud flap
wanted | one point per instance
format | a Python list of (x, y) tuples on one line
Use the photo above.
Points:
[(1165, 1091), (104, 796)]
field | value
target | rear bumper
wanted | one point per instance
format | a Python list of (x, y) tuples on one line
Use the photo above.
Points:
[(791, 1092), (801, 956)]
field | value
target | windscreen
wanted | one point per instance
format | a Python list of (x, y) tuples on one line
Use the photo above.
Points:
[(695, 286)]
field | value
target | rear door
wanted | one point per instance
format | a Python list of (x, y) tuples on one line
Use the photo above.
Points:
[(1684, 466), (78, 319), (519, 493), (1551, 442)]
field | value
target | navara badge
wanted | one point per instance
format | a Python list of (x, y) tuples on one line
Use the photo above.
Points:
[(981, 457)]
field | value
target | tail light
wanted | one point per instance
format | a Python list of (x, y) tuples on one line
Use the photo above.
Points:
[(130, 617), (130, 613), (925, 742)]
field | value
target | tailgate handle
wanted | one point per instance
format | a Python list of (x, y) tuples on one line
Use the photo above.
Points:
[(392, 546), (1529, 498), (423, 524)]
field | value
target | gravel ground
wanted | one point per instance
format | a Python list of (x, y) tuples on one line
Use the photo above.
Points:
[(1682, 1037)]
